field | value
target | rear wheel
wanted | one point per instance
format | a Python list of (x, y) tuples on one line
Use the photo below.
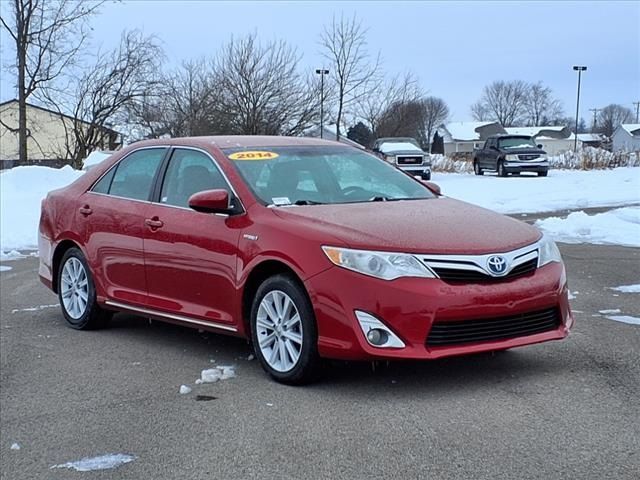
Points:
[(283, 331), (502, 172), (476, 168), (77, 293)]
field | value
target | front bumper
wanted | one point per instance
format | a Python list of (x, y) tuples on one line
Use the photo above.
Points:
[(410, 306), (516, 166), (416, 170)]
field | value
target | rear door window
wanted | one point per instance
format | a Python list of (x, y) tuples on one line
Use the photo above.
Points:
[(133, 176)]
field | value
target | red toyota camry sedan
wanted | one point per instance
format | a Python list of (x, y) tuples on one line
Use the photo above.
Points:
[(309, 248)]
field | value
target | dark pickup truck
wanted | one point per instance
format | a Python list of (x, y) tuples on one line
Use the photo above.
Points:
[(507, 154)]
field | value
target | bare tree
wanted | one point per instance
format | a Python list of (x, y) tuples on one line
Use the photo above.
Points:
[(480, 111), (353, 71), (540, 105), (48, 37), (374, 106), (404, 119), (436, 112), (107, 91), (261, 91), (504, 101), (611, 116)]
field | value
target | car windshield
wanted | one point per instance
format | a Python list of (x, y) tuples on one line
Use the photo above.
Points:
[(516, 142), (313, 175)]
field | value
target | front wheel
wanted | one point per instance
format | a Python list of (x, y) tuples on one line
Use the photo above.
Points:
[(502, 172), (283, 331), (77, 293), (476, 168)]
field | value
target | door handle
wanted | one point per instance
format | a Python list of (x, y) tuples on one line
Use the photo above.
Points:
[(153, 223), (85, 210)]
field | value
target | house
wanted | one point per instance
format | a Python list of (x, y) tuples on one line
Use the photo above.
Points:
[(595, 140), (465, 136), (554, 139), (626, 137), (329, 132), (47, 136)]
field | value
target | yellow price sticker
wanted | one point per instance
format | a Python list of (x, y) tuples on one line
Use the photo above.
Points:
[(253, 155)]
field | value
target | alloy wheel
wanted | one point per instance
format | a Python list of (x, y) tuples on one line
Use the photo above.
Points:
[(74, 288), (279, 330)]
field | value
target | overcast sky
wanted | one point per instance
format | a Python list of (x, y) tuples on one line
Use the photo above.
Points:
[(453, 48)]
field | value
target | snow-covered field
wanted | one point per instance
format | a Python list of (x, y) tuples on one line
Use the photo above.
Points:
[(23, 188)]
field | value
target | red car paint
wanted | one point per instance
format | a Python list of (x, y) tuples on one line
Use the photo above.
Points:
[(193, 270)]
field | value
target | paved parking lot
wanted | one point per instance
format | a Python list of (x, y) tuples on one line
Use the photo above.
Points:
[(558, 410)]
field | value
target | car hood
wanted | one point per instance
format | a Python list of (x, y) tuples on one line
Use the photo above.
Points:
[(436, 226)]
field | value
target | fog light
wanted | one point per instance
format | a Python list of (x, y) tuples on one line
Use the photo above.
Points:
[(377, 336), (376, 332)]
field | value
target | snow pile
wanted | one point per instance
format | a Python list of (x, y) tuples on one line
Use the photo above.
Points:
[(625, 319), (10, 255), (4, 268), (103, 462), (628, 288), (562, 189), (442, 163), (95, 158), (615, 227), (21, 192), (184, 389)]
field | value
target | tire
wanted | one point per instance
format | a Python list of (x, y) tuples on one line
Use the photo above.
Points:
[(501, 170), (543, 173), (476, 168), (269, 313), (425, 176), (77, 293)]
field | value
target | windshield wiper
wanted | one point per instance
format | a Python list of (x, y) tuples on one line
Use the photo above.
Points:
[(380, 198), (307, 202)]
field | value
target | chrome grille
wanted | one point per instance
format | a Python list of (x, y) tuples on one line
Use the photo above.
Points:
[(529, 157), (409, 159)]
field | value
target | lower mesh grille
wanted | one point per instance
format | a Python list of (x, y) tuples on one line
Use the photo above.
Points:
[(512, 326)]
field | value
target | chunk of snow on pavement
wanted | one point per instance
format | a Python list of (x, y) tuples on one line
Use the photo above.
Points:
[(21, 192), (251, 357), (35, 309), (226, 372), (572, 296), (615, 227), (628, 288), (184, 389), (625, 319), (10, 255), (102, 462), (562, 189), (611, 311), (4, 268), (210, 375), (15, 446), (198, 381)]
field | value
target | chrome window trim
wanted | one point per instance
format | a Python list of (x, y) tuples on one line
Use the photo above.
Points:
[(171, 316), (478, 263)]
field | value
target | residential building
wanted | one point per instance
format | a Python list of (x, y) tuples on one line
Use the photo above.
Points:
[(626, 137), (465, 136), (329, 132), (48, 133), (554, 139)]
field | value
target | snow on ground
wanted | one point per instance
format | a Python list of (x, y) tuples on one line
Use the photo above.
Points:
[(628, 288), (624, 319), (4, 268), (21, 191), (102, 462), (562, 189), (615, 227), (23, 188)]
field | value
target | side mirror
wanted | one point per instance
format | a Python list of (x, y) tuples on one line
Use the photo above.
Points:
[(434, 187), (539, 146), (210, 201)]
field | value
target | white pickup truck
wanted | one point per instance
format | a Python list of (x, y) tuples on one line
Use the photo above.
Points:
[(406, 154)]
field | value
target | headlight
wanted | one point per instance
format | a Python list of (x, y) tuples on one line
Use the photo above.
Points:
[(511, 158), (387, 266), (548, 251)]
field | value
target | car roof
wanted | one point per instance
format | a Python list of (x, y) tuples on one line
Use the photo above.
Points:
[(235, 141)]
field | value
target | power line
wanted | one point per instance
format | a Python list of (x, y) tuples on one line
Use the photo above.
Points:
[(595, 115), (637, 104)]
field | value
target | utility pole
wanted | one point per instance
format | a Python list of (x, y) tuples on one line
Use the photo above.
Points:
[(322, 72), (637, 104), (595, 115), (579, 69)]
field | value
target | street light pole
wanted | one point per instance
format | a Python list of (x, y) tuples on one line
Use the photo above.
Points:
[(579, 69), (322, 72)]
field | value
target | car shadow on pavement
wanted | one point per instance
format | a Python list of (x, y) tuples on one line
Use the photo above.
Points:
[(515, 369)]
